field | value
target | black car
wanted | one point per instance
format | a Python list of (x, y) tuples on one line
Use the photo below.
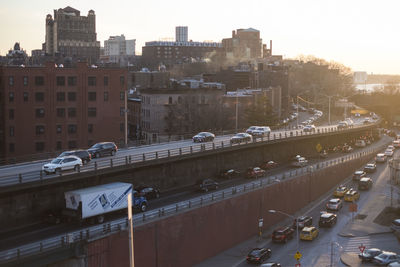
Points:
[(369, 254), (258, 255), (327, 219), (148, 192), (370, 167), (84, 155), (304, 221), (203, 137), (230, 174), (206, 184), (282, 234), (102, 149)]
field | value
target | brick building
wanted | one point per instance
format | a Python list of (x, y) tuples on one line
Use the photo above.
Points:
[(244, 44), (46, 109)]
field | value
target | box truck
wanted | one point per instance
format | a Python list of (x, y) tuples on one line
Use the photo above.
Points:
[(94, 202)]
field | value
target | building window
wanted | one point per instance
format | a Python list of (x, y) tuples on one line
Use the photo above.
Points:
[(71, 80), (122, 80), (60, 81), (61, 112), (122, 95), (39, 97), (71, 112), (39, 146), (90, 128), (39, 129), (58, 145), (105, 96), (71, 96), (122, 111), (11, 97), (105, 80), (40, 113), (92, 96), (72, 144), (10, 80), (72, 128), (58, 128), (10, 114), (92, 81), (11, 131), (122, 127), (170, 100), (26, 96), (11, 147), (91, 112), (25, 80), (39, 80), (60, 96)]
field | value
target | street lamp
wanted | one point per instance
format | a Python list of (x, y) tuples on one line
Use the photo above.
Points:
[(290, 216)]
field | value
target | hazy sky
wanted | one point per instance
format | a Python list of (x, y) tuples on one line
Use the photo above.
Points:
[(362, 34)]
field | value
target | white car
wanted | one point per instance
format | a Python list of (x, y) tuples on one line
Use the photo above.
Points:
[(396, 143), (334, 204), (299, 162), (251, 129), (395, 226), (261, 131), (380, 157), (390, 147), (309, 128), (60, 164), (389, 153)]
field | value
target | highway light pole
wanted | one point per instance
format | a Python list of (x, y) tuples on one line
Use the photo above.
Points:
[(237, 109), (130, 218), (297, 224)]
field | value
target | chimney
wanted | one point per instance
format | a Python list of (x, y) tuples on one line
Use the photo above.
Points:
[(233, 34), (270, 46)]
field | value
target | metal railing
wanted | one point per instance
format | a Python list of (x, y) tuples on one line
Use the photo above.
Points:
[(32, 176), (68, 239)]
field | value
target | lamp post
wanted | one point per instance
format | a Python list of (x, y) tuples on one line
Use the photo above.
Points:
[(290, 216), (237, 109)]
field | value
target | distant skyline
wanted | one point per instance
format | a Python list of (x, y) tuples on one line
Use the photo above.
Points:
[(362, 35)]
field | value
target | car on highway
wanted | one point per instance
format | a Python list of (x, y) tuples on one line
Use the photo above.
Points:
[(347, 148), (351, 195), (358, 175), (340, 191), (303, 221), (206, 184), (389, 153), (60, 164), (271, 264), (84, 155), (299, 161), (258, 255), (261, 131), (380, 158), (360, 143), (203, 137), (367, 120), (343, 125), (334, 204), (241, 138), (282, 234), (149, 192), (370, 167), (309, 233), (385, 258), (309, 128), (365, 183), (104, 148), (327, 219), (255, 172), (251, 129), (396, 143), (268, 165), (390, 147), (230, 174), (395, 225), (369, 254)]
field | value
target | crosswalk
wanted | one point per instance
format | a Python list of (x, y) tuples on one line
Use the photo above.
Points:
[(383, 241)]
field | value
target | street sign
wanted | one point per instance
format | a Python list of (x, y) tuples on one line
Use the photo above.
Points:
[(353, 207), (297, 256), (318, 147), (260, 223), (362, 248), (297, 265)]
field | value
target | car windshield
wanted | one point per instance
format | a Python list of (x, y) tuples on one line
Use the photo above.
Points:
[(56, 161), (66, 154), (260, 129), (278, 233), (96, 146), (202, 134), (333, 201), (305, 232), (255, 253), (240, 135)]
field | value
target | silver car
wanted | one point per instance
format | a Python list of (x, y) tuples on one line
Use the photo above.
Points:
[(385, 258), (60, 164)]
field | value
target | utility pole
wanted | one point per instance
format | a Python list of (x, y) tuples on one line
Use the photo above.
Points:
[(237, 109), (329, 112), (126, 117), (297, 99), (331, 264)]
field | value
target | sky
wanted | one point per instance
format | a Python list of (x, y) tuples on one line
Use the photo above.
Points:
[(363, 35)]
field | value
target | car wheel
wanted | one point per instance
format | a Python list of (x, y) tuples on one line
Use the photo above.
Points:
[(112, 152), (76, 168), (97, 155), (143, 207)]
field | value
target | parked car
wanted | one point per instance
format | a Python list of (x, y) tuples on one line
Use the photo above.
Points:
[(303, 221), (389, 153), (334, 204), (395, 226), (327, 219), (358, 175), (282, 234), (261, 131), (385, 258), (380, 158), (84, 155), (258, 255), (206, 184), (370, 167), (255, 172), (340, 191), (203, 137), (241, 137), (230, 174), (309, 233), (58, 165), (351, 195), (369, 254), (365, 183), (299, 161), (268, 165), (149, 192), (309, 128), (101, 149), (251, 129)]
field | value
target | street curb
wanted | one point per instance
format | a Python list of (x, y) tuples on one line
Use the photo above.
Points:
[(342, 261)]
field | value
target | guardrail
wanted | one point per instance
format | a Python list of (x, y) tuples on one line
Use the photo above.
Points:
[(15, 179), (69, 239)]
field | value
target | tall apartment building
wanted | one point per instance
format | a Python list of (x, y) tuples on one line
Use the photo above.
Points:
[(244, 44), (49, 108), (72, 35), (181, 34), (118, 50)]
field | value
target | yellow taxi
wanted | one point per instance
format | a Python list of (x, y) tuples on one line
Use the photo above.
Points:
[(309, 233), (351, 195), (340, 191)]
